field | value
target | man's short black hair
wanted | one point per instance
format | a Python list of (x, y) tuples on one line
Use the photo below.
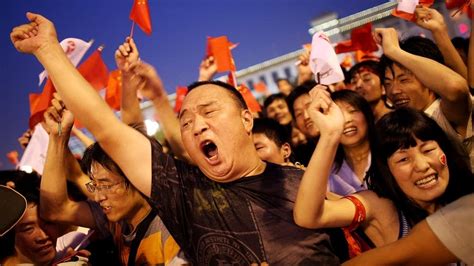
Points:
[(95, 154), (416, 45), (270, 99), (302, 89), (272, 129), (231, 89), (372, 65)]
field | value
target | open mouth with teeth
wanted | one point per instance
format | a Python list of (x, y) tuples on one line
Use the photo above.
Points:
[(427, 182), (209, 149), (401, 102), (349, 131)]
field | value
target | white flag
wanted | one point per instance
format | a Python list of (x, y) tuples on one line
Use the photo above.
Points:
[(407, 6), (35, 153), (74, 49), (323, 60)]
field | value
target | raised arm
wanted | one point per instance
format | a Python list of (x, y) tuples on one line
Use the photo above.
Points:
[(55, 203), (126, 55), (312, 210), (449, 85), (432, 20), (420, 247), (126, 146), (207, 69), (152, 88)]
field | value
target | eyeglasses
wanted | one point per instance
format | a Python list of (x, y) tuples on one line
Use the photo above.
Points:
[(92, 187)]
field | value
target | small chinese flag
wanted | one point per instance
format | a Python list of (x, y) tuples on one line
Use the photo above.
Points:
[(250, 100), (406, 8), (113, 92), (361, 39), (140, 14), (219, 48), (39, 102), (181, 92)]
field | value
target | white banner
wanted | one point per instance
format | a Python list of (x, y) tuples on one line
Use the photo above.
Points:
[(323, 60), (35, 153)]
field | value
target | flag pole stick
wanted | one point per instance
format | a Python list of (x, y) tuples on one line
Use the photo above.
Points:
[(131, 30)]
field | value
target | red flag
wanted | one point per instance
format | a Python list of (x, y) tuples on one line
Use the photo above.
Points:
[(39, 102), (452, 4), (181, 92), (93, 70), (140, 14), (113, 92), (219, 48), (411, 16), (250, 100), (361, 39), (462, 6)]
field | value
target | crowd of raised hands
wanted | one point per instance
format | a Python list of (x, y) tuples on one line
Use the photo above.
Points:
[(384, 159)]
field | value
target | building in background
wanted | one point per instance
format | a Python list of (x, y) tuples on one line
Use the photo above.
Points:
[(337, 29)]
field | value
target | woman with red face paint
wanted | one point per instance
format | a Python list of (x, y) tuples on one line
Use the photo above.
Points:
[(414, 172)]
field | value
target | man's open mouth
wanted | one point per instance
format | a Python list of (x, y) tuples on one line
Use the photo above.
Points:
[(209, 149)]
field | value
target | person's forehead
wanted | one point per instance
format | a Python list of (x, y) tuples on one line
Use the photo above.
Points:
[(101, 174), (302, 100), (277, 102), (31, 215), (205, 94)]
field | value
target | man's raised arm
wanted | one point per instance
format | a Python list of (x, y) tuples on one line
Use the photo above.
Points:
[(126, 146)]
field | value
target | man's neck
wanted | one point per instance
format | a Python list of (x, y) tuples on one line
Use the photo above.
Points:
[(139, 215)]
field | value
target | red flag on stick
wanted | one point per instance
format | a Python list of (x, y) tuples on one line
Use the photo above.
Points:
[(219, 48), (140, 14), (181, 92)]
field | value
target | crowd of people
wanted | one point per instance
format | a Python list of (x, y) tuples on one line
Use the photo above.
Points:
[(375, 170)]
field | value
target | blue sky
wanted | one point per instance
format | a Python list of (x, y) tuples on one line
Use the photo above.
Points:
[(264, 29)]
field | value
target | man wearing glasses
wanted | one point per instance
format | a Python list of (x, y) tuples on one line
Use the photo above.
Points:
[(117, 209)]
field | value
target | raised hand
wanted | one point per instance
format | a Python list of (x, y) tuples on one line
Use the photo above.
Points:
[(146, 79), (34, 36), (126, 54), (57, 118), (207, 69), (429, 19), (326, 115), (388, 39)]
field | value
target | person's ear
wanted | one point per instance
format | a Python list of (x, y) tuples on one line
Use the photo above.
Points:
[(286, 151), (247, 120)]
